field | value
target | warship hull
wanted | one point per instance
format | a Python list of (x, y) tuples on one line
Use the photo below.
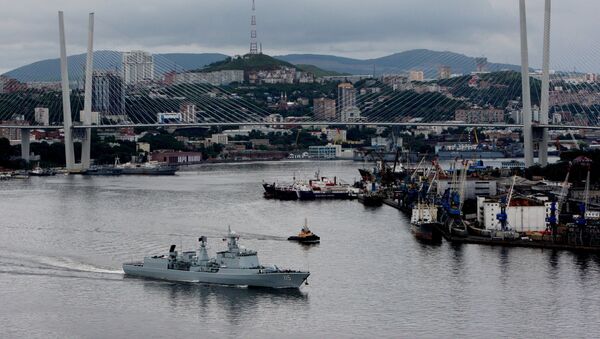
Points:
[(237, 277)]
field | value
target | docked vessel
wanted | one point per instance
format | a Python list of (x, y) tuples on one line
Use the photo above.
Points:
[(280, 191), (372, 199), (235, 266), (103, 171), (324, 188), (446, 151), (147, 168), (305, 236), (424, 224), (41, 172)]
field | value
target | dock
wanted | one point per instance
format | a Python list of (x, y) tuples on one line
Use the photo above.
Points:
[(527, 243)]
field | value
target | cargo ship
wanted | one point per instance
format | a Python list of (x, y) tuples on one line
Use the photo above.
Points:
[(424, 224)]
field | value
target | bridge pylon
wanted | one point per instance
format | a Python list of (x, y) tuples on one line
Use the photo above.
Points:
[(66, 100)]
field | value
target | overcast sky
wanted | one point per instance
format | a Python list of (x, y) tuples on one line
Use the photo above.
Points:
[(352, 28)]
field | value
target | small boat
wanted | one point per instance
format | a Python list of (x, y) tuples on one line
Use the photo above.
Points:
[(305, 236)]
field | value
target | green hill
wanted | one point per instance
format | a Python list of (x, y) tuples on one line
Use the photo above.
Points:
[(248, 62)]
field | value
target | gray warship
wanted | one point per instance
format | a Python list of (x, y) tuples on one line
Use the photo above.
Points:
[(234, 266)]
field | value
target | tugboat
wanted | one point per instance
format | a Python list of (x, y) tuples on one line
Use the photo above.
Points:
[(236, 266), (305, 236)]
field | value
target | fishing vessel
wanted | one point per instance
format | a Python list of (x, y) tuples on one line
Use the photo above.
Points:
[(236, 265), (305, 236)]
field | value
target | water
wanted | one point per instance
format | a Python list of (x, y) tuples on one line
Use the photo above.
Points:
[(64, 238)]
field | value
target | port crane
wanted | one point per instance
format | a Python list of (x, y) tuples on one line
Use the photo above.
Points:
[(502, 217), (556, 205), (453, 200)]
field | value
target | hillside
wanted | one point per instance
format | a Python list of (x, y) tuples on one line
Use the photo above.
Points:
[(248, 62)]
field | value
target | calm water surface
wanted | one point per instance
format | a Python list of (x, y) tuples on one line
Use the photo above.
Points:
[(63, 239)]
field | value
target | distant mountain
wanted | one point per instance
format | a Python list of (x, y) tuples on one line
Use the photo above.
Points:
[(49, 70), (417, 59), (318, 72)]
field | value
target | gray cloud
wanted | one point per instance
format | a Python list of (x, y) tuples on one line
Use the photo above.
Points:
[(363, 29)]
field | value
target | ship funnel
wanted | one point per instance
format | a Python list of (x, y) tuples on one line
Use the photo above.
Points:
[(172, 249)]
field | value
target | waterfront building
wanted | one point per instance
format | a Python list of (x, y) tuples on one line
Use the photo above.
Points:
[(108, 95), (41, 116), (325, 152), (138, 66), (176, 158), (524, 214), (324, 109)]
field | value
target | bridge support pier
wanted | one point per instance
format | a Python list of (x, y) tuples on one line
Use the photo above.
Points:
[(25, 143)]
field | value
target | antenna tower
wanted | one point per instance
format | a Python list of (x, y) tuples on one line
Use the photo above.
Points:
[(253, 42)]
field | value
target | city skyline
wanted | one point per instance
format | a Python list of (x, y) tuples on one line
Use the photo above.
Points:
[(474, 28)]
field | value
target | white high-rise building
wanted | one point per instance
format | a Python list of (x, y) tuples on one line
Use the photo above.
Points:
[(138, 66), (42, 115), (346, 103)]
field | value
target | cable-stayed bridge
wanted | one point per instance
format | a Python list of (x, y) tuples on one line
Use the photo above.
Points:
[(387, 100)]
